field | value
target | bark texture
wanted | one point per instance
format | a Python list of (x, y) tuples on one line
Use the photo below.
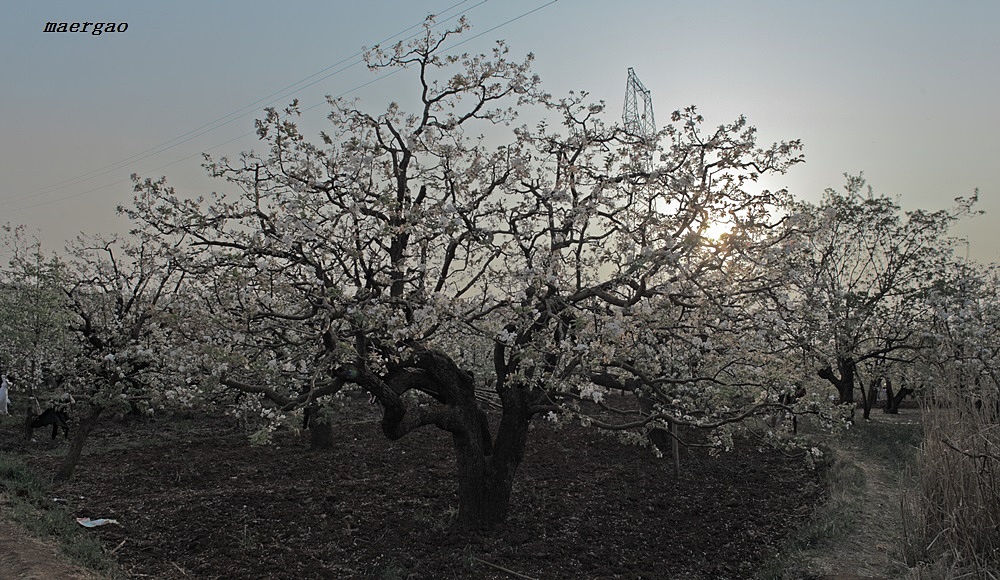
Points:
[(72, 458)]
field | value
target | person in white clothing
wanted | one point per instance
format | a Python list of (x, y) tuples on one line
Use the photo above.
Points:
[(4, 398)]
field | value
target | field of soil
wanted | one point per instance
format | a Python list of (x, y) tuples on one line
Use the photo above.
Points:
[(193, 499)]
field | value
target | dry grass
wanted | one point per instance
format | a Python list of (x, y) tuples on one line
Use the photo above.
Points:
[(952, 521)]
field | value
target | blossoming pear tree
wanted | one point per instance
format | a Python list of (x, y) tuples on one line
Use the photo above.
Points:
[(964, 336), (860, 281), (472, 274), (34, 341), (115, 291)]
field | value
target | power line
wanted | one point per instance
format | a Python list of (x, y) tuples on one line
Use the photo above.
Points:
[(228, 118), (502, 24), (207, 128), (120, 181)]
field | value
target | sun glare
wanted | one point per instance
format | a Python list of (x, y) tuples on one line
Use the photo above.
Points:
[(716, 229)]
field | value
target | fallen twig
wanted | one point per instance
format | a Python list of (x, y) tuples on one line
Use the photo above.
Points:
[(502, 569), (119, 546)]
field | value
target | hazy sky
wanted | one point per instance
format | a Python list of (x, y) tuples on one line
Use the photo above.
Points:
[(905, 90)]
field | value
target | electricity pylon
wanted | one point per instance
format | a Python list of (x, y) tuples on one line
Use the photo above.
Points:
[(638, 115)]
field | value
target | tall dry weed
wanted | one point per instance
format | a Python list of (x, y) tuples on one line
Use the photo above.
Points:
[(954, 521)]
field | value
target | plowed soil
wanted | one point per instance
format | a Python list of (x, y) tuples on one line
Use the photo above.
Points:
[(195, 500)]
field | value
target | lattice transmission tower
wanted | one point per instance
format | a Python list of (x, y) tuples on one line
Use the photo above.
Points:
[(638, 115)]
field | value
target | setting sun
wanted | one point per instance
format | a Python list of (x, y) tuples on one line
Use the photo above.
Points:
[(715, 229)]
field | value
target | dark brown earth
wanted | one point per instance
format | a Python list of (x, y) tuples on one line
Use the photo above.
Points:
[(195, 499)]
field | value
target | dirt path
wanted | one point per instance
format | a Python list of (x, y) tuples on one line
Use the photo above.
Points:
[(25, 558), (872, 549)]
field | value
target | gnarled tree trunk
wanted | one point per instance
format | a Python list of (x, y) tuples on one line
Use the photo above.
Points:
[(845, 382), (486, 468), (26, 431), (892, 400), (870, 397), (486, 475)]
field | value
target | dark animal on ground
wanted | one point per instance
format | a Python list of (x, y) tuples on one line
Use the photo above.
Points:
[(58, 419)]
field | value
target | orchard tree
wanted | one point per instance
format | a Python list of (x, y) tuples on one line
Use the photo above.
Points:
[(32, 329), (115, 290), (712, 349), (408, 257), (32, 301), (964, 334), (860, 281), (34, 341)]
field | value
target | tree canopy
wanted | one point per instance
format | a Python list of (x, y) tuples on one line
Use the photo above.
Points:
[(407, 254)]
